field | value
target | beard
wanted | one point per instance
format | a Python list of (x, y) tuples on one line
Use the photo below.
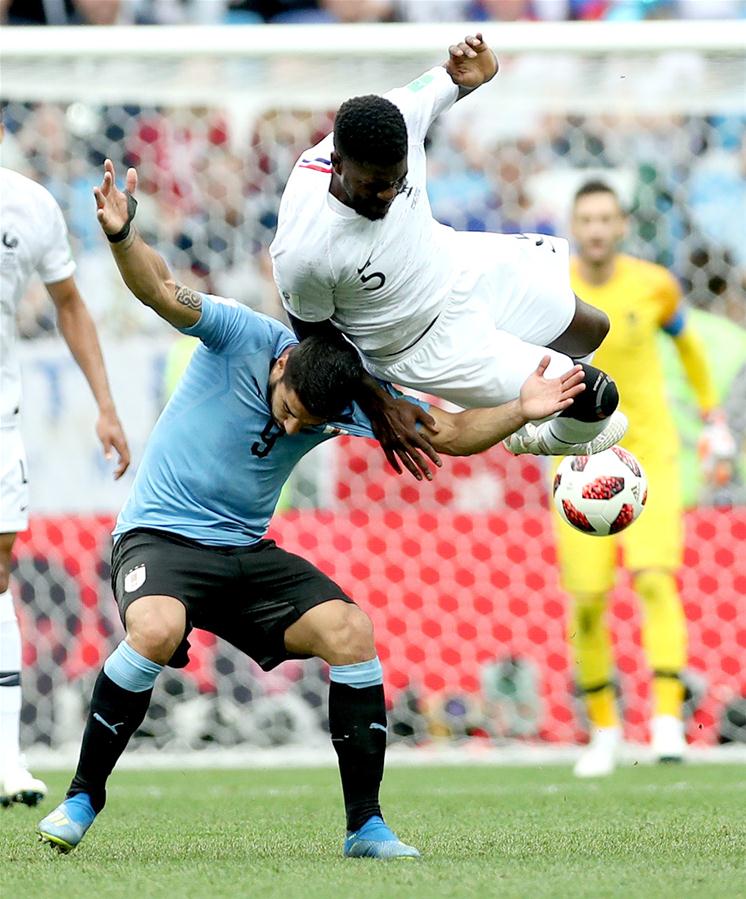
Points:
[(374, 212)]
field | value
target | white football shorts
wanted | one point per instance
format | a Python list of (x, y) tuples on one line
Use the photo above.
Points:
[(494, 328), (14, 494)]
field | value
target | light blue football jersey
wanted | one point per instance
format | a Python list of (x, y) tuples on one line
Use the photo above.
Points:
[(216, 461)]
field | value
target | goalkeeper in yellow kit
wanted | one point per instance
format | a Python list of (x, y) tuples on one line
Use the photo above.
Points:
[(640, 298)]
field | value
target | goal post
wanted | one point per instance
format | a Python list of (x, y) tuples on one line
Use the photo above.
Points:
[(275, 64), (459, 575)]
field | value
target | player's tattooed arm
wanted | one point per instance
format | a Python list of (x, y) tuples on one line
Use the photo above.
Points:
[(470, 64), (188, 297), (143, 270)]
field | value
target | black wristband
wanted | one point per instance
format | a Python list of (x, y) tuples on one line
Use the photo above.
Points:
[(131, 210)]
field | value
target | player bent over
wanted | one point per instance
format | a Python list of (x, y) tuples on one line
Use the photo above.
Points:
[(459, 315), (190, 547)]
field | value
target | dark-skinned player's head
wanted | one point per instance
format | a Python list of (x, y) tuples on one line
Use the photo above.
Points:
[(312, 382), (599, 222), (370, 154)]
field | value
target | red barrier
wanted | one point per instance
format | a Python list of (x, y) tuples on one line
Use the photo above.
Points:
[(447, 593)]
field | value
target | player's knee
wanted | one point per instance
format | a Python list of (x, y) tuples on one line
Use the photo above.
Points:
[(595, 326), (599, 399), (600, 327), (586, 331), (352, 640), (155, 631)]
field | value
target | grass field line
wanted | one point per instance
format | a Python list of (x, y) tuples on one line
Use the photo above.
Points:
[(472, 753), (504, 790)]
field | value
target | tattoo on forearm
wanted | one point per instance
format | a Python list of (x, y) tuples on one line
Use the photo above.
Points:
[(188, 297)]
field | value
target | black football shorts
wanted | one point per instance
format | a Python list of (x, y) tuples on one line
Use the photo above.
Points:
[(248, 595)]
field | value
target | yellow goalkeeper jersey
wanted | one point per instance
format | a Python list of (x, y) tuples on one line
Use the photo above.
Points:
[(639, 299)]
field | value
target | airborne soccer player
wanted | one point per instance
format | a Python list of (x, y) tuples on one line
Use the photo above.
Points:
[(459, 315), (189, 544), (34, 239), (641, 300)]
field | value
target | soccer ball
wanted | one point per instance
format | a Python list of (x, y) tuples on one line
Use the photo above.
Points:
[(600, 494)]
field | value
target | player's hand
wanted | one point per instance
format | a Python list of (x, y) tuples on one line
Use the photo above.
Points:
[(111, 434), (542, 396), (471, 63), (111, 203), (394, 422)]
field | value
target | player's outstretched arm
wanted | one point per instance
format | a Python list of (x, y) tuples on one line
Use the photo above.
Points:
[(475, 430), (470, 64), (143, 270)]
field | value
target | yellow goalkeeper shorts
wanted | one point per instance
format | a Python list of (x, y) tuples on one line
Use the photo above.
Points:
[(655, 540)]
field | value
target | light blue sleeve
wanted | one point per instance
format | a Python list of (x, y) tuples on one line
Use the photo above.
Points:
[(228, 326)]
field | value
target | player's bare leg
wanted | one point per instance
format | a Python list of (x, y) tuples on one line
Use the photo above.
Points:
[(585, 333), (593, 423), (342, 635), (16, 782), (120, 700)]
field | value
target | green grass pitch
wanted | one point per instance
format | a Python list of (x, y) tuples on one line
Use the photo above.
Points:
[(483, 831)]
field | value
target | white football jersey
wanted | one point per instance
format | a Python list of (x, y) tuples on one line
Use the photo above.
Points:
[(381, 282), (33, 238)]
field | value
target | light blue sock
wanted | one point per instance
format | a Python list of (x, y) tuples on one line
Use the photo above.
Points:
[(359, 675), (131, 671)]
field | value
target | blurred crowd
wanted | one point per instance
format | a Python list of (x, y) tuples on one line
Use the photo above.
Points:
[(209, 197), (247, 12)]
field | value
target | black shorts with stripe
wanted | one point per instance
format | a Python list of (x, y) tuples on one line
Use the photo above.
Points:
[(248, 595)]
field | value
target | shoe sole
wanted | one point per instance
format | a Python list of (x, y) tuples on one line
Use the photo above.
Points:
[(55, 842)]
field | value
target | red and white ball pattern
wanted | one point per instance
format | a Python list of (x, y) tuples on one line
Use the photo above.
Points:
[(601, 494)]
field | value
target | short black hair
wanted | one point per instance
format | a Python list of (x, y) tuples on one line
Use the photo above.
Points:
[(325, 373), (370, 129), (595, 186)]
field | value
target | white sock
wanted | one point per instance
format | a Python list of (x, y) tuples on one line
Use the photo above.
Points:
[(10, 696), (570, 430)]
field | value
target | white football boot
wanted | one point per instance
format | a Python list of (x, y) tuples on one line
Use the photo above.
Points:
[(538, 440), (668, 738), (19, 785), (599, 758)]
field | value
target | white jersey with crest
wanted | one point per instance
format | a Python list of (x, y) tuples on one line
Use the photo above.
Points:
[(461, 315), (382, 282), (33, 238)]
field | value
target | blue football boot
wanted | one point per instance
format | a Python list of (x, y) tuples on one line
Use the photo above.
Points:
[(66, 826), (375, 839)]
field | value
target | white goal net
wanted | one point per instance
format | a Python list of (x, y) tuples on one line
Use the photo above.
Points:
[(459, 578)]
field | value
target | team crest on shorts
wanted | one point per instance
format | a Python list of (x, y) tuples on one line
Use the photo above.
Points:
[(134, 579)]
